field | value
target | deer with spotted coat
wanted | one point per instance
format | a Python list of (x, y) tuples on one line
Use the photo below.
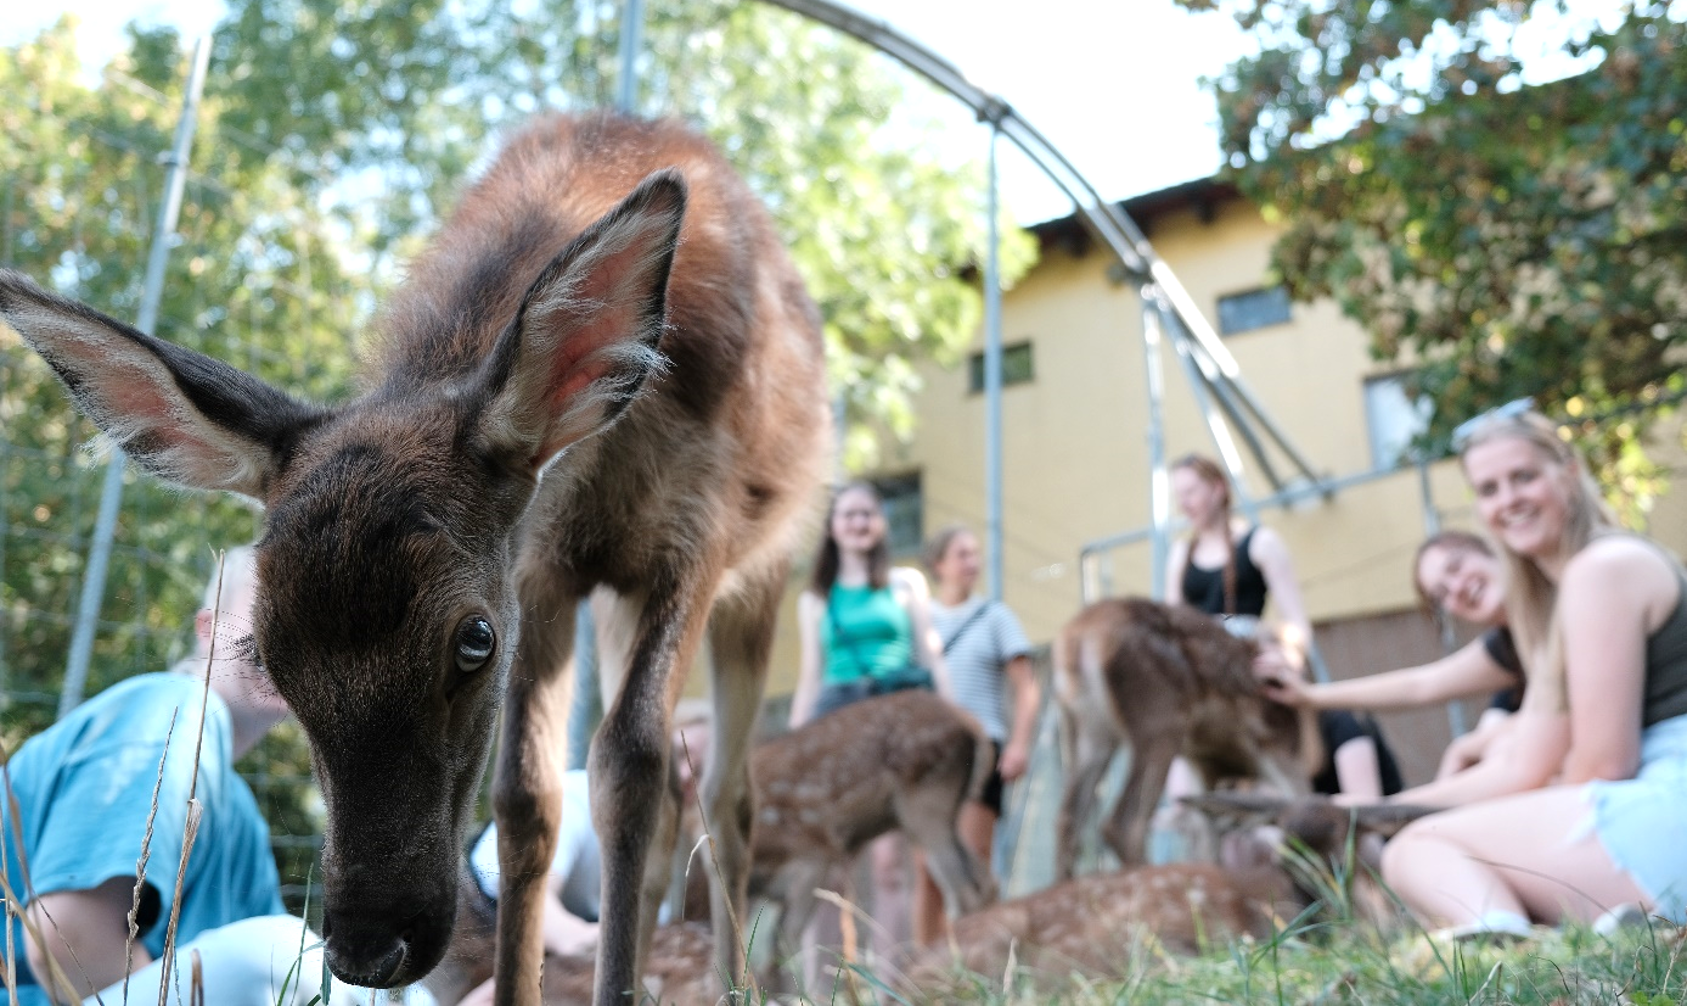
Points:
[(604, 378), (1170, 681)]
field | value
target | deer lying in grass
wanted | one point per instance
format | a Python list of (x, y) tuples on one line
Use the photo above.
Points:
[(425, 544), (1170, 681), (679, 967), (1098, 923)]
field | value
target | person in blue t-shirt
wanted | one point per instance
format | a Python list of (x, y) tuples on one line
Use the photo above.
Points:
[(86, 808)]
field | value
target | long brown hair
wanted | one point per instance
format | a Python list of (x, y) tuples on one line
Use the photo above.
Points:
[(1453, 540), (1531, 597), (1208, 471), (826, 559)]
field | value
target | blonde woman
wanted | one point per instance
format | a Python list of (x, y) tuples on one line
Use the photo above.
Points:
[(1585, 812), (987, 655)]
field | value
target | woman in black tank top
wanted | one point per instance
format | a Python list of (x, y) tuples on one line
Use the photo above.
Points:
[(1224, 567)]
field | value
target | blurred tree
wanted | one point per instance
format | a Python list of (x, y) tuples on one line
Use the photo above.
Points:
[(256, 277), (883, 224), (1517, 238), (332, 137)]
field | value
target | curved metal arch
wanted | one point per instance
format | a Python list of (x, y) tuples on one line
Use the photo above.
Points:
[(1168, 310), (1110, 223)]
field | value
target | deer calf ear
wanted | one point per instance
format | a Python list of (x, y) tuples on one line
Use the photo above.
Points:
[(181, 415), (584, 341)]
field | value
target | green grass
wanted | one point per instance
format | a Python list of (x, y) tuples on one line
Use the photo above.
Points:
[(1318, 965)]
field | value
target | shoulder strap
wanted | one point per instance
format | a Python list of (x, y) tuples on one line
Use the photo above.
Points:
[(960, 631)]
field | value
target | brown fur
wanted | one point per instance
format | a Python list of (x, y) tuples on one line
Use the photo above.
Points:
[(906, 762), (679, 969), (1098, 924), (1172, 682), (564, 298)]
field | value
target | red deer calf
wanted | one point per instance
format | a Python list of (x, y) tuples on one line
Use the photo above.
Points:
[(1170, 681), (425, 545)]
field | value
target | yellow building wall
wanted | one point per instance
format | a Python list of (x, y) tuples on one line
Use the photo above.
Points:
[(1075, 451)]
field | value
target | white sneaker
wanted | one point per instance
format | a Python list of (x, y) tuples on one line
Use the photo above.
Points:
[(1625, 916)]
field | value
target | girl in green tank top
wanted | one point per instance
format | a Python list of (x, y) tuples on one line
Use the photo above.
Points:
[(865, 625), (866, 633)]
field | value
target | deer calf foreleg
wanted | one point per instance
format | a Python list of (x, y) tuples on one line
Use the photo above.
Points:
[(527, 803)]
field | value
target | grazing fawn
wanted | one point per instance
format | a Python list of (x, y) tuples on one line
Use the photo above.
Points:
[(903, 762), (1171, 681), (603, 375)]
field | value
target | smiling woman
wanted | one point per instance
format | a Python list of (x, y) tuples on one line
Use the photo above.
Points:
[(1600, 620)]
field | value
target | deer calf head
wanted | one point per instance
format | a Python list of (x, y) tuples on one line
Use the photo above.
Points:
[(387, 604)]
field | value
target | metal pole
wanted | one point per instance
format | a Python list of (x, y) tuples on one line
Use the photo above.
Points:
[(992, 387), (1159, 490), (105, 524), (632, 21), (1216, 428)]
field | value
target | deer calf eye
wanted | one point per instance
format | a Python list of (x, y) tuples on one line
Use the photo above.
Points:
[(474, 643)]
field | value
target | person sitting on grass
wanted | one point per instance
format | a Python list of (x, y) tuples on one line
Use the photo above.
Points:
[(1581, 816), (112, 781), (1455, 573)]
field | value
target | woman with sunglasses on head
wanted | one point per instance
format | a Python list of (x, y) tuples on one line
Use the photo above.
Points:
[(1457, 574), (1584, 813)]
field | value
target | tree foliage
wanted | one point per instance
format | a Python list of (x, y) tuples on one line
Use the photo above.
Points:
[(332, 138), (1516, 238), (881, 225)]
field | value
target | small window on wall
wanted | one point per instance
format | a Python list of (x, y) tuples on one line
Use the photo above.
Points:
[(1394, 420), (1251, 309), (904, 512), (1016, 367)]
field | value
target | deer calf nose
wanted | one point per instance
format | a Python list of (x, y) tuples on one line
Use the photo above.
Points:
[(368, 955)]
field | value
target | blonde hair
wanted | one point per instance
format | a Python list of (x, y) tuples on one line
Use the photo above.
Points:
[(1530, 596), (937, 546)]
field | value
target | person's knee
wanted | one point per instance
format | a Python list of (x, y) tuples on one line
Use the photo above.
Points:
[(1400, 854)]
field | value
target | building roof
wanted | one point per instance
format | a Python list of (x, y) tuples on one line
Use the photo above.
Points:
[(1203, 195)]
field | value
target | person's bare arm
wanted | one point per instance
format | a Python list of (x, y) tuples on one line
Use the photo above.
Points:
[(1268, 551), (1469, 749), (927, 644), (566, 934), (812, 661), (1358, 772), (1612, 595), (1529, 759), (1466, 671), (1177, 556), (1016, 754), (86, 932)]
